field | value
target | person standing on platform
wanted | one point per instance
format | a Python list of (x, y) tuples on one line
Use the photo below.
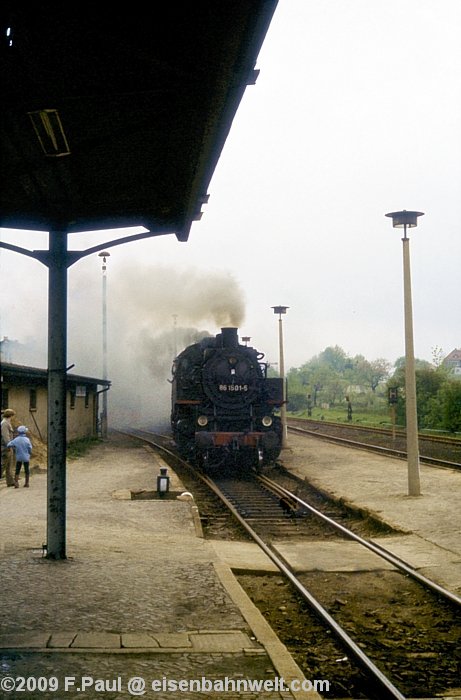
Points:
[(7, 452), (23, 449)]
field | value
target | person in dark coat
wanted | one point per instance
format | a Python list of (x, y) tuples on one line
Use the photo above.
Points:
[(7, 453)]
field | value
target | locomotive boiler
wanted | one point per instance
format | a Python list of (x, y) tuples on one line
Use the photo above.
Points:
[(224, 406)]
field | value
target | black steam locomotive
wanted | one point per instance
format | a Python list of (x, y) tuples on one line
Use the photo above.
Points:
[(223, 404)]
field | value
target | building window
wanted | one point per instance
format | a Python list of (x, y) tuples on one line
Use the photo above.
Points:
[(72, 398), (32, 399)]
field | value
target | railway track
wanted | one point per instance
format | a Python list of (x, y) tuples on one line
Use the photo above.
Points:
[(269, 512), (438, 451), (245, 504)]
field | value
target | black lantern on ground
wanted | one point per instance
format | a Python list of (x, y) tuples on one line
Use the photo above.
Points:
[(163, 482)]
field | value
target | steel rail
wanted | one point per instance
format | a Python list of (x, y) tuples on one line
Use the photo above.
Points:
[(390, 691), (379, 449), (376, 548), (399, 432)]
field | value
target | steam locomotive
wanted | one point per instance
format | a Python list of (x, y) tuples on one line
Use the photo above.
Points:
[(223, 412)]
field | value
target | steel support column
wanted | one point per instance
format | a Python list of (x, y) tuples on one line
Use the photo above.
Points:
[(57, 411), (104, 351)]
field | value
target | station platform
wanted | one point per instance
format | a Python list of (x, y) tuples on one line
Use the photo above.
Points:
[(142, 595)]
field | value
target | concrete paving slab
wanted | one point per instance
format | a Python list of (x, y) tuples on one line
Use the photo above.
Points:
[(242, 556), (177, 640), (232, 641), (417, 551), (330, 556), (61, 640), (27, 640), (96, 640), (447, 576), (431, 560), (133, 640)]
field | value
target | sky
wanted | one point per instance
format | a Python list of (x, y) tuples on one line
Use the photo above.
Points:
[(356, 113)]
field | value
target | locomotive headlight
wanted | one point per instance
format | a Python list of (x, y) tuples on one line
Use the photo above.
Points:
[(267, 421), (202, 421)]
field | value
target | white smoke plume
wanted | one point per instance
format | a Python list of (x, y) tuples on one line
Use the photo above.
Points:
[(153, 313)]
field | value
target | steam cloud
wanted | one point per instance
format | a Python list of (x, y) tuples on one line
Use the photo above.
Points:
[(153, 313)]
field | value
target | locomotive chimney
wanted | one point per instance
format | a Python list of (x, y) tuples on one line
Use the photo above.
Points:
[(229, 337)]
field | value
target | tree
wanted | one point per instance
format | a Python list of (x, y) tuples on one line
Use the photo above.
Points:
[(371, 374), (327, 376), (437, 397), (399, 364), (451, 405), (428, 385), (335, 358), (437, 356), (330, 375)]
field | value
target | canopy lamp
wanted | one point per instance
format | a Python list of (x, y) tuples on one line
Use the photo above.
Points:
[(50, 133)]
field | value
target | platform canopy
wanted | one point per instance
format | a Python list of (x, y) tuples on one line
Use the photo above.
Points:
[(115, 115)]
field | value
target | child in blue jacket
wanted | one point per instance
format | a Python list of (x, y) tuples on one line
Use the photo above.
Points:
[(23, 449)]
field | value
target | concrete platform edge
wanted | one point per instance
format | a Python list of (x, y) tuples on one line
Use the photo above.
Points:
[(282, 660)]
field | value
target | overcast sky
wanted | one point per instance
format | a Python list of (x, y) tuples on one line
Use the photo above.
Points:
[(356, 113)]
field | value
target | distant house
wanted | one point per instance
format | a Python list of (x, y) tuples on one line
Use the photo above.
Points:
[(453, 361), (25, 389)]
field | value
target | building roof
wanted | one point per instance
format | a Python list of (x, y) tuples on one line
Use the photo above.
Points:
[(453, 356), (114, 115), (15, 374)]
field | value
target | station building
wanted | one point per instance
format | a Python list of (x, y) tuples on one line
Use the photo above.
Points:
[(25, 390)]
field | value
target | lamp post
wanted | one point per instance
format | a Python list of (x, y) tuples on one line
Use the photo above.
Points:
[(175, 342), (104, 255), (280, 310), (246, 339), (409, 219)]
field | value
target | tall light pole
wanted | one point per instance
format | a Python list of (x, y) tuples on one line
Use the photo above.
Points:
[(280, 310), (104, 255), (175, 338), (409, 219)]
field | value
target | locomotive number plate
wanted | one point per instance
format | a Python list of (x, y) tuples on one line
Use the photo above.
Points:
[(236, 388)]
